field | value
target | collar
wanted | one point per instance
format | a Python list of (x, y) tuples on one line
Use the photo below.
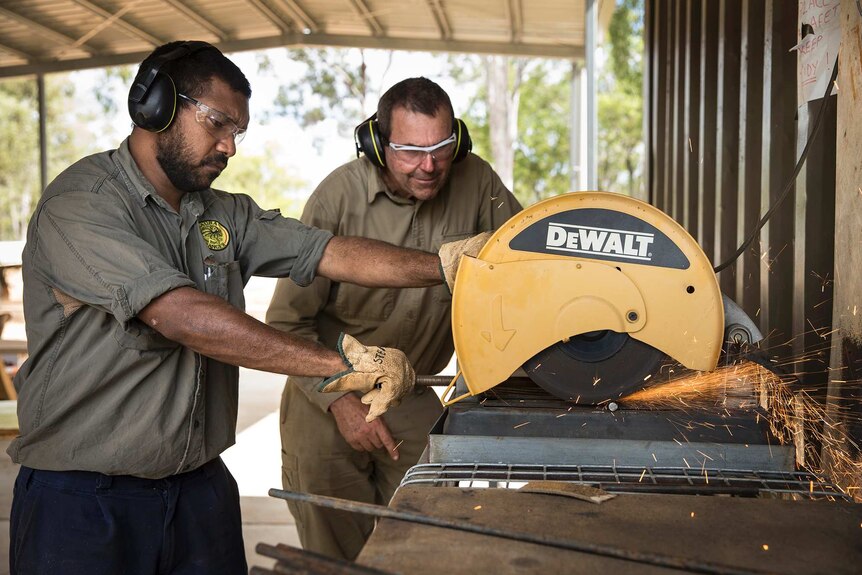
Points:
[(376, 185)]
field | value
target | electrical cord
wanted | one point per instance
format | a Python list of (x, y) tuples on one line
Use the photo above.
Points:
[(818, 121)]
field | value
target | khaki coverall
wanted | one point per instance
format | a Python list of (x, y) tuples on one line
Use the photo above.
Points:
[(353, 200)]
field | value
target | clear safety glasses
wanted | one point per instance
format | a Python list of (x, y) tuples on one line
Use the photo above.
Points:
[(414, 155), (218, 124)]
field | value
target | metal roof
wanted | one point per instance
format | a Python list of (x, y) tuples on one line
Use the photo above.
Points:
[(40, 36)]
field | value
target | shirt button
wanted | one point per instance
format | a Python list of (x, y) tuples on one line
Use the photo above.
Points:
[(197, 423)]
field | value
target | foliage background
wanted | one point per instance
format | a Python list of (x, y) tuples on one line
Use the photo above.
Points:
[(517, 111)]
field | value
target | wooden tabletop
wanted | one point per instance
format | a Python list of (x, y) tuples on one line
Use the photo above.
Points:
[(763, 535)]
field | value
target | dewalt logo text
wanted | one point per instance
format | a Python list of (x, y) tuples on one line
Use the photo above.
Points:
[(589, 240)]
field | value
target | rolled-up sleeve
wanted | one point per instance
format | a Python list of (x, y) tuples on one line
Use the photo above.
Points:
[(89, 250), (275, 246)]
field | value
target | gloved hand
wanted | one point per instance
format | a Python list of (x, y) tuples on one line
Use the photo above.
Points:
[(383, 373), (450, 255)]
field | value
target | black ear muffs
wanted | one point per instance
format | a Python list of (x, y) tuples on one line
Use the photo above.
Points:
[(367, 138), (463, 143), (153, 96), (368, 141)]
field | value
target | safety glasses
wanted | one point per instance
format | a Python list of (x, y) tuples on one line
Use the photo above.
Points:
[(414, 155), (218, 124)]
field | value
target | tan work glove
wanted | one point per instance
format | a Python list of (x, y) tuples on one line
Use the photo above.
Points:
[(382, 373), (450, 255)]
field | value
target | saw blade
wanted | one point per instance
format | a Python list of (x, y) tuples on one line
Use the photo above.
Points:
[(595, 367)]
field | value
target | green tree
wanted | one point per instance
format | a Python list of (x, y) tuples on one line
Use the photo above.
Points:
[(538, 123), (620, 103), (625, 32), (620, 155), (334, 83), (75, 130), (529, 149), (114, 81), (263, 178), (542, 158), (67, 140), (19, 159)]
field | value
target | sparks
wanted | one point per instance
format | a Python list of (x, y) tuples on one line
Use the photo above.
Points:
[(705, 455), (808, 419)]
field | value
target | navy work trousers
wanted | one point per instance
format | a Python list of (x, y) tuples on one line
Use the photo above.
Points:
[(78, 522)]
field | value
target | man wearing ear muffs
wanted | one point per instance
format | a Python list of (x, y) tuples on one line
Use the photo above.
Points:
[(133, 272), (418, 186)]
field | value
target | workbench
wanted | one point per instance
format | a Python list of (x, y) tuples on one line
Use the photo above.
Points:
[(757, 535)]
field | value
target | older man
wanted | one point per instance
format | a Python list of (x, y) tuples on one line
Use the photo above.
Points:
[(418, 186)]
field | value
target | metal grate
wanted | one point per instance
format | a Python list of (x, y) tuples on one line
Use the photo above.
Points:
[(617, 479)]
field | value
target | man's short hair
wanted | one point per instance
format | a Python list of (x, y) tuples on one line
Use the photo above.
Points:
[(193, 72), (419, 95)]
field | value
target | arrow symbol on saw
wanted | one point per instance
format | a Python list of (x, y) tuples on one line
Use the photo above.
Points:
[(498, 335)]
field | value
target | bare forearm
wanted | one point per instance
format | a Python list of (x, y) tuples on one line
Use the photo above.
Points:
[(212, 327), (372, 263)]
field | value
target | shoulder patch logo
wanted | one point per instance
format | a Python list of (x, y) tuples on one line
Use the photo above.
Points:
[(215, 235)]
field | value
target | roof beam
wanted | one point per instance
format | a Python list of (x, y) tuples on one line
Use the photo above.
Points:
[(564, 51), (441, 18), (361, 9), (297, 39), (300, 17), (95, 30), (120, 23), (15, 52), (197, 18), (270, 15), (40, 29), (516, 19)]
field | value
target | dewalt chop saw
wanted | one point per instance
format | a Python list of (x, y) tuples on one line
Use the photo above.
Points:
[(589, 293)]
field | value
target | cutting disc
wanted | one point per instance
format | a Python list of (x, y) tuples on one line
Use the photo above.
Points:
[(595, 367)]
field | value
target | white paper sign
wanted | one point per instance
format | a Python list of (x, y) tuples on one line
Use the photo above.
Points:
[(818, 49)]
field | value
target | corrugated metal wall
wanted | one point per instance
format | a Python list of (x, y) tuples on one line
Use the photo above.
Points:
[(724, 132)]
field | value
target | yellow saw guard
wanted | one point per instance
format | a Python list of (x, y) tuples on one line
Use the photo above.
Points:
[(577, 263)]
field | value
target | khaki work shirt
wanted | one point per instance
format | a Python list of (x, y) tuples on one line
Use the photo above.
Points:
[(353, 200), (101, 391)]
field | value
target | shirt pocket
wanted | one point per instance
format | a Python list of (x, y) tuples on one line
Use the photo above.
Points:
[(224, 280), (139, 336)]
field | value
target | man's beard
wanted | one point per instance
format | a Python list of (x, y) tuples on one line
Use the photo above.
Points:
[(172, 153)]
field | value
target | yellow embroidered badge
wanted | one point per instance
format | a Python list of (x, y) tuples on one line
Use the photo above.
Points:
[(215, 235)]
